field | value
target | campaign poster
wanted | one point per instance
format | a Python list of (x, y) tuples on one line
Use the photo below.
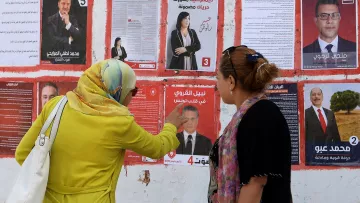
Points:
[(329, 34), (145, 107), (268, 27), (192, 35), (135, 32), (64, 37), (19, 33), (49, 90), (16, 102), (198, 134), (332, 124), (285, 96)]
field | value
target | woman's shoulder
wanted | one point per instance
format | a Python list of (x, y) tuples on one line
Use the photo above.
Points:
[(174, 32), (264, 110)]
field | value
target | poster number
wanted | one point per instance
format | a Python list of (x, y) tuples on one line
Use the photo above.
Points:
[(354, 140), (83, 3), (190, 160), (205, 62)]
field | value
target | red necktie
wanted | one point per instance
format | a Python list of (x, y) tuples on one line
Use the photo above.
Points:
[(322, 120)]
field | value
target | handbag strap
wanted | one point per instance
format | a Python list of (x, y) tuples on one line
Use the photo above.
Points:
[(55, 125), (51, 117)]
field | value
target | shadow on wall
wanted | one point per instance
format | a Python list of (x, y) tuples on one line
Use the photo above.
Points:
[(169, 53)]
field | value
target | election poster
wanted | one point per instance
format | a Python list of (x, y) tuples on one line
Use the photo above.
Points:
[(268, 27), (49, 90), (198, 134), (135, 32), (329, 34), (19, 33), (16, 105), (332, 124), (285, 96), (146, 108), (64, 33), (192, 35)]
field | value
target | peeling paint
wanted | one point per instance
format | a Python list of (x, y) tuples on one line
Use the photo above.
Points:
[(144, 177)]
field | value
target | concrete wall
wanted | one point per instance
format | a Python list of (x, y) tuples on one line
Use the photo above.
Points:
[(181, 184)]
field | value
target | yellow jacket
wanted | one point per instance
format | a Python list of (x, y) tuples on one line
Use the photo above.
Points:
[(88, 153)]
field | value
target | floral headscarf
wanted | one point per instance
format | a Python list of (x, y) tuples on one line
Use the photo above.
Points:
[(102, 89)]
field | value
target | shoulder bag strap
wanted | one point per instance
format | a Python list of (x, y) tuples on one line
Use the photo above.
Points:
[(55, 125), (51, 117)]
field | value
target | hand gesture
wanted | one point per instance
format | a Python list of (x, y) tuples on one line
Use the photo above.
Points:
[(180, 50), (176, 118), (65, 18)]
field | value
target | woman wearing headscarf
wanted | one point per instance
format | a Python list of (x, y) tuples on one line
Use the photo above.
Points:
[(96, 128), (184, 43), (251, 161), (118, 51)]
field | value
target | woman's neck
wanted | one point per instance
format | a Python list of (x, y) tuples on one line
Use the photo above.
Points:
[(242, 96), (184, 29), (118, 46)]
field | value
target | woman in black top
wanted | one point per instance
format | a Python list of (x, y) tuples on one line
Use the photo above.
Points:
[(251, 161), (118, 51), (184, 43)]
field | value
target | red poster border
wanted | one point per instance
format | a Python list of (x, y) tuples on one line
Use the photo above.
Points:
[(297, 71), (61, 67), (161, 69)]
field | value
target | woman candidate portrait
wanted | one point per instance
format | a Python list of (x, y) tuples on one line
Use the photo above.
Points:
[(184, 44), (118, 52)]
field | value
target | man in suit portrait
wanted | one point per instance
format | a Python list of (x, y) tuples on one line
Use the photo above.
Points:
[(327, 19), (63, 31), (191, 142), (320, 123)]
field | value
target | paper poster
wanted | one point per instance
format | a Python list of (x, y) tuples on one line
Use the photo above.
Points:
[(49, 90), (285, 96), (19, 32), (15, 114), (200, 132), (329, 33), (146, 109), (332, 124), (192, 35), (136, 23), (64, 31), (269, 28)]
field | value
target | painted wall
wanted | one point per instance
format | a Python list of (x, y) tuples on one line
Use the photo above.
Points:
[(181, 184)]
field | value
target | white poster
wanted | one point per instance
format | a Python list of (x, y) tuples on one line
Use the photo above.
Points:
[(192, 35), (19, 32), (268, 27), (136, 22)]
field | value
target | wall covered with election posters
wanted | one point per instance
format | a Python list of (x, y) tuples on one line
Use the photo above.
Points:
[(152, 44), (293, 34)]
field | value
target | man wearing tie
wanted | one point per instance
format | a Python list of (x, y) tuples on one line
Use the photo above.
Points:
[(320, 123), (63, 30), (327, 19), (191, 142)]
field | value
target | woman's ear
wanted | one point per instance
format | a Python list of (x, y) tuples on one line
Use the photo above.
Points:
[(231, 82)]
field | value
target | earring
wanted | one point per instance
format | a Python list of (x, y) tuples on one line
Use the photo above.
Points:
[(231, 92)]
